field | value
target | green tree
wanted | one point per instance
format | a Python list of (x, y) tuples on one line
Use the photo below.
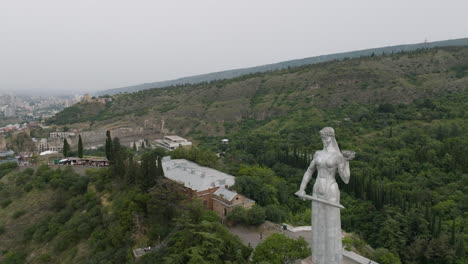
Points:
[(164, 205), (256, 215), (66, 147), (392, 230), (254, 188), (275, 213), (131, 174), (119, 156), (383, 256), (206, 242), (279, 249), (80, 147), (149, 171), (238, 215), (108, 145)]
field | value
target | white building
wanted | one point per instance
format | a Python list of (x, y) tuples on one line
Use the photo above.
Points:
[(52, 144), (194, 176), (42, 145), (55, 144), (61, 135), (173, 142)]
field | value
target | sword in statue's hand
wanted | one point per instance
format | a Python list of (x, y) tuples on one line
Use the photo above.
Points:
[(304, 196)]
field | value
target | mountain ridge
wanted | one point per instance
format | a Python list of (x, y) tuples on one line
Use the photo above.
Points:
[(229, 74), (216, 108)]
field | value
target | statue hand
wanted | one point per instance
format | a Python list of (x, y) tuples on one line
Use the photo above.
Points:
[(301, 194), (348, 155)]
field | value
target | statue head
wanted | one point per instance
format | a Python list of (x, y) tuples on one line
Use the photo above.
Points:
[(327, 133), (328, 139)]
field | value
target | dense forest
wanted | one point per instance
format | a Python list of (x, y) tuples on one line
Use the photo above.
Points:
[(408, 189)]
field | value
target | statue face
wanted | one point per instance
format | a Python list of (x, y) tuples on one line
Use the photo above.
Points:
[(326, 141)]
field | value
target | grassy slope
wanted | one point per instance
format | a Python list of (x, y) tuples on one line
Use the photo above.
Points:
[(212, 108), (36, 205)]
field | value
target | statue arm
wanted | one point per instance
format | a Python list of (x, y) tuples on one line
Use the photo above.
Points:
[(307, 177), (343, 170)]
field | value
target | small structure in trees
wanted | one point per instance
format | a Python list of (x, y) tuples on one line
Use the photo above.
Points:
[(224, 201)]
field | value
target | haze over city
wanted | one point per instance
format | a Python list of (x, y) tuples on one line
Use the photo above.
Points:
[(56, 46)]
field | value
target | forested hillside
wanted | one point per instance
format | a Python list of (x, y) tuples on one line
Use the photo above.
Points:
[(216, 108), (58, 216), (404, 114), (408, 189)]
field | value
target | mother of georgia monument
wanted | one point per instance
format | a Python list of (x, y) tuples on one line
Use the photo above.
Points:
[(326, 221)]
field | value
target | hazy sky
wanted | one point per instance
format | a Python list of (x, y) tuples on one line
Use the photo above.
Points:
[(89, 45)]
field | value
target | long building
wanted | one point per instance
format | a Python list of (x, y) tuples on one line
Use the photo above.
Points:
[(173, 142), (207, 184)]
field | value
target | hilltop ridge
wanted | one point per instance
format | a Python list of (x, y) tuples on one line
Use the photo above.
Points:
[(229, 74), (217, 107)]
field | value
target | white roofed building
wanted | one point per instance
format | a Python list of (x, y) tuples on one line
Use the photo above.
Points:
[(173, 142), (199, 181)]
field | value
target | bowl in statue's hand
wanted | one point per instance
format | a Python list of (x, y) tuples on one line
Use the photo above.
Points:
[(348, 154)]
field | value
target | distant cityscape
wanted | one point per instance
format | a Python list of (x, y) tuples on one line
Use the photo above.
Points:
[(16, 110)]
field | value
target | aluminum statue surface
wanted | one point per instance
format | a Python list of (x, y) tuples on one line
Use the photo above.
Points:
[(326, 221)]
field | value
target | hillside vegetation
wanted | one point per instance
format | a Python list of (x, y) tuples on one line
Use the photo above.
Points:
[(408, 189), (214, 108), (404, 114), (58, 216)]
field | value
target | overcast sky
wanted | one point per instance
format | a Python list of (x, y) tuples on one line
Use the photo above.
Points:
[(90, 45)]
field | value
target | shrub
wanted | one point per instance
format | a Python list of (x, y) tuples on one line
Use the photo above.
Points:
[(28, 187), (5, 168), (252, 216), (256, 215), (14, 258), (383, 256), (18, 214), (29, 171), (45, 258), (275, 213), (238, 215), (5, 203), (278, 249)]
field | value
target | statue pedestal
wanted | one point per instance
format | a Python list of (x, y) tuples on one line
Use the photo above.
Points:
[(348, 258)]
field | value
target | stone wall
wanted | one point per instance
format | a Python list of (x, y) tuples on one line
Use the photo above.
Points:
[(125, 134), (2, 143)]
